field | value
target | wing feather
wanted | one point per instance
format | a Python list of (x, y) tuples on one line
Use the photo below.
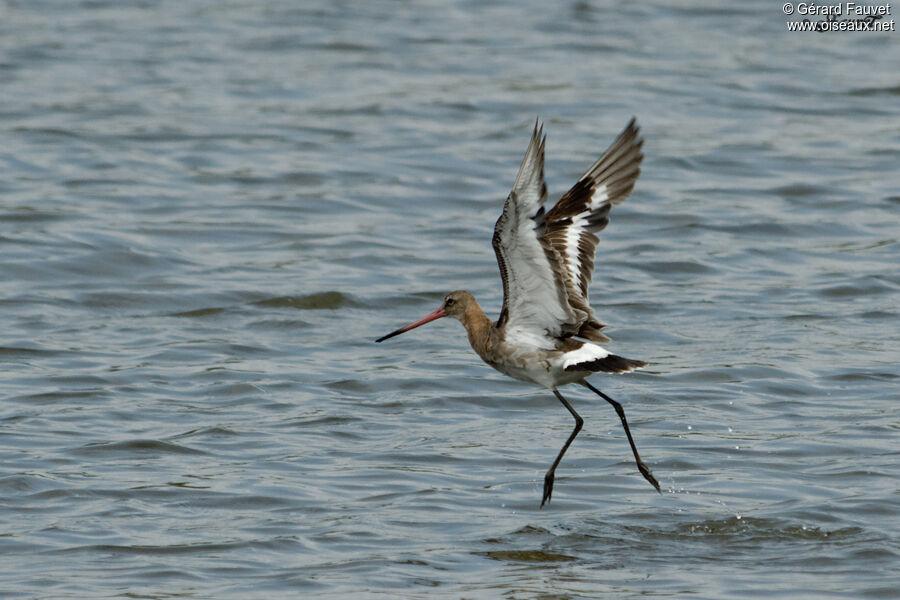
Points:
[(582, 212), (546, 258), (534, 297)]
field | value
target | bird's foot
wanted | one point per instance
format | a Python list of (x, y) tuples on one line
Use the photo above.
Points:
[(548, 487), (645, 471)]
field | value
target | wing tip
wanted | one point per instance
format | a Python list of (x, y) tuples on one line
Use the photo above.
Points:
[(531, 171), (537, 132), (619, 166), (633, 127)]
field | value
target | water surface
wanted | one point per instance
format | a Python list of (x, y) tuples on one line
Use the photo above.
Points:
[(209, 211)]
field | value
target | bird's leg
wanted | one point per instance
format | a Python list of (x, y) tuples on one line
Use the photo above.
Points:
[(644, 469), (548, 478)]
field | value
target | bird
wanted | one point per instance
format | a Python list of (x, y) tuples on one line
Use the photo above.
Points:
[(546, 332)]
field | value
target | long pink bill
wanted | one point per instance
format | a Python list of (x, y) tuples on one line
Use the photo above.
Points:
[(427, 319)]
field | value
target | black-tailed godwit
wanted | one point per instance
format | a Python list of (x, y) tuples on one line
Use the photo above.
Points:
[(546, 328)]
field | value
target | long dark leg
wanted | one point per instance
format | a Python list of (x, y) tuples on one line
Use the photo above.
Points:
[(644, 469), (548, 478)]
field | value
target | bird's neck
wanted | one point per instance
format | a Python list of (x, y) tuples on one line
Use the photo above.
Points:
[(478, 327)]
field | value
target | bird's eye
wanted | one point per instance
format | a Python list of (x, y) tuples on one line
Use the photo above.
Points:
[(449, 302)]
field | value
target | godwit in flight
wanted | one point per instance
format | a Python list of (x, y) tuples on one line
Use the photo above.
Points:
[(546, 259)]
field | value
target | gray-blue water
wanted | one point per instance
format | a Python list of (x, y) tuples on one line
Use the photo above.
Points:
[(209, 210)]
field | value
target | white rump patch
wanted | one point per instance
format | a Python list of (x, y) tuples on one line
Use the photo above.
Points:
[(586, 353)]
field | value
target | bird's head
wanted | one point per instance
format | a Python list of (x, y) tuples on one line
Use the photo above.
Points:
[(454, 305)]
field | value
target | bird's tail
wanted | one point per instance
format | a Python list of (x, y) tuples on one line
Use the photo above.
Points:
[(611, 363)]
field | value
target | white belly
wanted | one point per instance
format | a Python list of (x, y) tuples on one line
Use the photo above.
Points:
[(535, 365)]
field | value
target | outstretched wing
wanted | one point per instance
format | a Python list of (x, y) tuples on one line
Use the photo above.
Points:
[(571, 226), (546, 259), (534, 298)]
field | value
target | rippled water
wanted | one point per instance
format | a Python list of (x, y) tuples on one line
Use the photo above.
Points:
[(208, 211)]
